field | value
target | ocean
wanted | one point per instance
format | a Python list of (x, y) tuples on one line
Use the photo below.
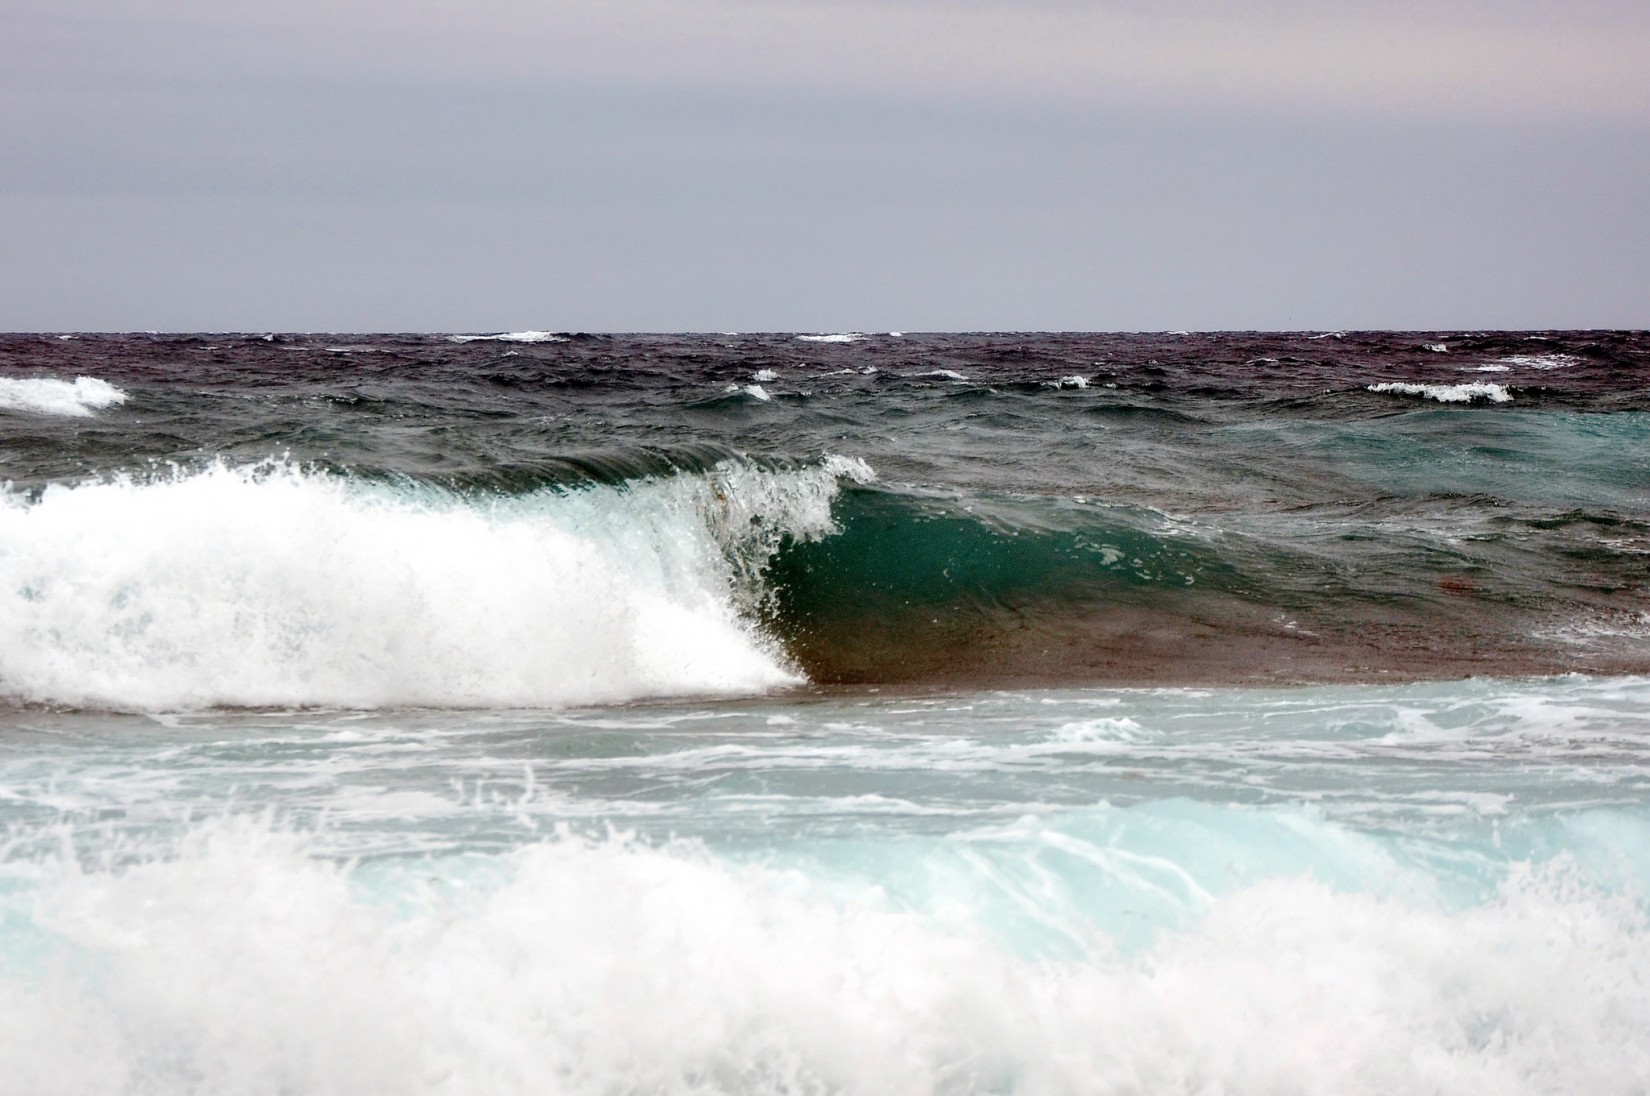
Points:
[(839, 713)]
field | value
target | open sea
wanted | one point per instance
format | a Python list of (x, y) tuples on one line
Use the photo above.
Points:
[(535, 713)]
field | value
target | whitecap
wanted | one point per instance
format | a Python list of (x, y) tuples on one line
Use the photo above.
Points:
[(1073, 381), (949, 374), (1448, 393), (764, 376), (511, 336), (1541, 361), (844, 337), (50, 396), (1437, 348)]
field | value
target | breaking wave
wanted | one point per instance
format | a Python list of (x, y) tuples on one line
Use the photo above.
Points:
[(49, 396), (511, 336), (1448, 393), (276, 585)]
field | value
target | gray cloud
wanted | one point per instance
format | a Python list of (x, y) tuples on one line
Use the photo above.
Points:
[(518, 165)]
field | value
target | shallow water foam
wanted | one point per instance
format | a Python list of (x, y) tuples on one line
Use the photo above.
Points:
[(244, 966)]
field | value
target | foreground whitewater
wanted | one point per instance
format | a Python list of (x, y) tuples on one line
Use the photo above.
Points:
[(538, 713), (1349, 888)]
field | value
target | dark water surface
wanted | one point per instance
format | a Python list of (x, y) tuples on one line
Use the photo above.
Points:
[(1080, 508)]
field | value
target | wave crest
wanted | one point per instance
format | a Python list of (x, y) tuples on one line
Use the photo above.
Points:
[(49, 396), (511, 336), (275, 585), (1448, 393)]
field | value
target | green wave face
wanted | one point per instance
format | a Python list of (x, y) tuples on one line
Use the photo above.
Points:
[(922, 587), (900, 550)]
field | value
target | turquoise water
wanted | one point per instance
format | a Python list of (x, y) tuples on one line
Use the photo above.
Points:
[(1069, 890)]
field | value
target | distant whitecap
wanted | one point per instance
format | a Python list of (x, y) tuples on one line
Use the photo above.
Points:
[(50, 396), (1541, 361), (1448, 393), (511, 336)]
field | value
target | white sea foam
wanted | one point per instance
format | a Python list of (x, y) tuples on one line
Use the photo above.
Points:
[(1114, 729), (1073, 381), (948, 374), (242, 965), (1598, 628), (50, 396), (1438, 348), (765, 376), (843, 337), (274, 586), (1541, 361), (754, 391), (1492, 369), (1448, 393), (511, 336)]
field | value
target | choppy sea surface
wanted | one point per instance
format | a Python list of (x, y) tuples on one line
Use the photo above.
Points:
[(836, 713)]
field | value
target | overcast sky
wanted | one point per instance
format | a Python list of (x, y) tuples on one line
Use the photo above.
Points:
[(611, 165)]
